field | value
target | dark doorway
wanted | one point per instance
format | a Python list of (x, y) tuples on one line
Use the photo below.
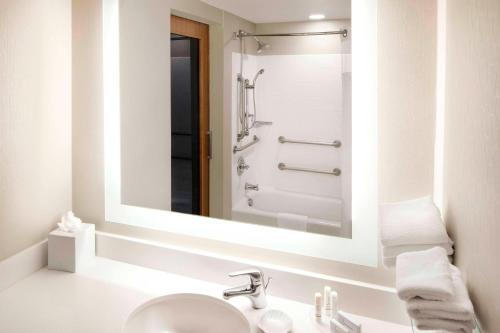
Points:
[(185, 122)]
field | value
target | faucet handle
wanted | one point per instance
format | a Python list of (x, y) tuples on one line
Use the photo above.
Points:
[(255, 274)]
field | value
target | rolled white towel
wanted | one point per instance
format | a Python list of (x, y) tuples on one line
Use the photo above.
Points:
[(459, 307), (424, 274), (412, 222), (394, 251), (452, 326)]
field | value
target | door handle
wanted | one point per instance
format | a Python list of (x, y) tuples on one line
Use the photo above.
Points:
[(209, 143)]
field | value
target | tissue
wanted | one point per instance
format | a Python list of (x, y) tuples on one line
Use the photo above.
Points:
[(69, 223)]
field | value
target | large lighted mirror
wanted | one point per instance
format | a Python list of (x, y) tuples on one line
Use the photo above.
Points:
[(244, 112)]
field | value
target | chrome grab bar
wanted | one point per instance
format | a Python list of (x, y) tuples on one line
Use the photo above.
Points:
[(335, 143), (254, 141), (335, 172)]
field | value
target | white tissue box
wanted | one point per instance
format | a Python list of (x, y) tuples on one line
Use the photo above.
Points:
[(70, 252)]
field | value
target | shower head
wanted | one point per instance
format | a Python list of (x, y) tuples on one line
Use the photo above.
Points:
[(261, 46), (260, 72)]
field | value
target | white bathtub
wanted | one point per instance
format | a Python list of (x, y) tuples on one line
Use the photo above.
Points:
[(324, 215)]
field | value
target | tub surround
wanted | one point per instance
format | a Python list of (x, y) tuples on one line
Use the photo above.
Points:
[(100, 298), (307, 97)]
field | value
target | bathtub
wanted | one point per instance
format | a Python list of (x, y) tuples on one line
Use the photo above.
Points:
[(324, 214)]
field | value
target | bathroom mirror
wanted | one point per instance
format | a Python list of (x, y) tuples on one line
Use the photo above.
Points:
[(232, 120)]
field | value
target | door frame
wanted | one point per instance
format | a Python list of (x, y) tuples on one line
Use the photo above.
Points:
[(200, 31)]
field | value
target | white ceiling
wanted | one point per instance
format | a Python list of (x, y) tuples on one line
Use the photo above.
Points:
[(269, 11)]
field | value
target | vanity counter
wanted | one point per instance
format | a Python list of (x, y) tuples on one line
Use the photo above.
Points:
[(100, 298)]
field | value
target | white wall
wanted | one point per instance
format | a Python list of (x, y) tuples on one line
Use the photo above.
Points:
[(472, 149), (145, 103), (35, 120), (88, 133), (407, 97)]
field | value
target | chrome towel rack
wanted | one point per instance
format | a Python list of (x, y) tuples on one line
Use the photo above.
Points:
[(241, 148), (336, 143), (335, 172)]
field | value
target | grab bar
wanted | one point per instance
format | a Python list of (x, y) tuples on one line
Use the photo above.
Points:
[(237, 149), (335, 172), (335, 143)]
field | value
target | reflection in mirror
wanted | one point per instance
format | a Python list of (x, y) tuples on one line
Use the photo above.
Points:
[(185, 124), (286, 149), (291, 128)]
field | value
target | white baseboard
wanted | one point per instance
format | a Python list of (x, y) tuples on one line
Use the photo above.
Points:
[(365, 299), (22, 264)]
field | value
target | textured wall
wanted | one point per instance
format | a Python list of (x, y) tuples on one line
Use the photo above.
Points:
[(407, 85), (472, 149), (88, 147), (35, 120)]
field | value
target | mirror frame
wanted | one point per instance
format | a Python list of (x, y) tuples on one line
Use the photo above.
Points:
[(361, 249)]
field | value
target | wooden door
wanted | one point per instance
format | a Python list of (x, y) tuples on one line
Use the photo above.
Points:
[(193, 29)]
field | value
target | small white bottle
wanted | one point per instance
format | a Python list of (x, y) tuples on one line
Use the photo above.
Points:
[(327, 300), (317, 305), (334, 303)]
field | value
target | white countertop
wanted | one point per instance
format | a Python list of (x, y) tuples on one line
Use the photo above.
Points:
[(100, 298)]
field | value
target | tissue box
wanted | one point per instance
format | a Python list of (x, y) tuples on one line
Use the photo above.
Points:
[(70, 252)]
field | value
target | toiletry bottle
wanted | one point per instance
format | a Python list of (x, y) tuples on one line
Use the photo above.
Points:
[(327, 299), (334, 302), (317, 305)]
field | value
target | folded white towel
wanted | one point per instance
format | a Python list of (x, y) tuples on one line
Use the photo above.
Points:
[(452, 326), (424, 274), (412, 222), (390, 262), (394, 251), (390, 253), (292, 221), (459, 307)]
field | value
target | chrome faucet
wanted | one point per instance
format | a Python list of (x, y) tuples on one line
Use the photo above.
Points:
[(255, 291), (251, 187)]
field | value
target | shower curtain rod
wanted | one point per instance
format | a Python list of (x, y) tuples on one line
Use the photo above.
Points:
[(242, 33)]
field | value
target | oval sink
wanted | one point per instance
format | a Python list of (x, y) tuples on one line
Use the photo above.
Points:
[(186, 313)]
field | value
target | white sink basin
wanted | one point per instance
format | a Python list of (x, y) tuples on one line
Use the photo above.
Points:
[(187, 313)]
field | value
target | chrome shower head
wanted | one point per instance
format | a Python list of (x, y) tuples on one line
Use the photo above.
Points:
[(260, 72), (261, 46)]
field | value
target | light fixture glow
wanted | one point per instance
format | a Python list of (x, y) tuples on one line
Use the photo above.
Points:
[(316, 17)]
